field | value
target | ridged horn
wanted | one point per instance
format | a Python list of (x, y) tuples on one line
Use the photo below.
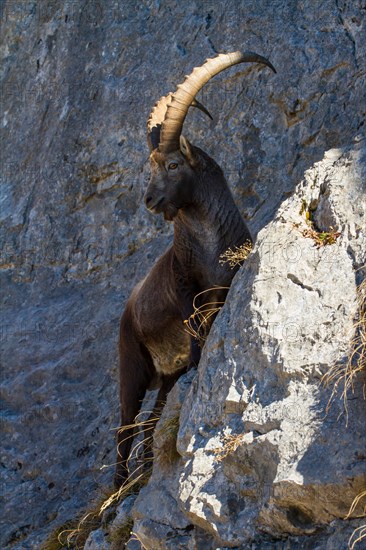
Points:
[(157, 117), (180, 101)]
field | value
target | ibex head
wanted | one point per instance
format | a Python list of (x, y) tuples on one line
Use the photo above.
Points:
[(173, 159)]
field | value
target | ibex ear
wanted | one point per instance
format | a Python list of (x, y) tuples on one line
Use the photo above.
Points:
[(187, 150)]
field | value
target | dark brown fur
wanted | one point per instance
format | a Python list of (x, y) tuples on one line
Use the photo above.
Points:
[(188, 187)]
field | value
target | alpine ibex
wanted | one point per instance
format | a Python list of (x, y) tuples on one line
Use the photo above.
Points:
[(188, 188)]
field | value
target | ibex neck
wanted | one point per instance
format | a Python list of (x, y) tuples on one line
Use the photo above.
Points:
[(209, 226)]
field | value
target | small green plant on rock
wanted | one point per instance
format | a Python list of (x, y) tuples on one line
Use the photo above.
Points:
[(321, 238)]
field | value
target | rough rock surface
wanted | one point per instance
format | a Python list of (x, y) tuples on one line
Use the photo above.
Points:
[(294, 467), (78, 79)]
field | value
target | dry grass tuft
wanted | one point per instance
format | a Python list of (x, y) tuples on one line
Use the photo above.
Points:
[(140, 428), (199, 323), (230, 444), (121, 534), (358, 534), (57, 540), (237, 256), (357, 503), (344, 374), (140, 475), (73, 534), (135, 481)]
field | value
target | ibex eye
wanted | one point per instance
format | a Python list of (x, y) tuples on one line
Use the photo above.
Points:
[(173, 166)]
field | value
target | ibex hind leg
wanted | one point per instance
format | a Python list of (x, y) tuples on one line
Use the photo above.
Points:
[(125, 437), (168, 382), (135, 377)]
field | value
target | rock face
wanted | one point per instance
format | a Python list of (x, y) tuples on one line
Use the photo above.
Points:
[(261, 456), (79, 79)]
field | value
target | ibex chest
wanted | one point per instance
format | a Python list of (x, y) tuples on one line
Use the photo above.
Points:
[(170, 349)]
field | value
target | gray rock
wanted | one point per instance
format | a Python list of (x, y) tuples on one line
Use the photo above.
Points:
[(134, 544), (97, 540), (78, 80), (119, 529)]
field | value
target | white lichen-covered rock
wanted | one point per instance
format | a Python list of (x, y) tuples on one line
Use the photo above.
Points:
[(295, 464)]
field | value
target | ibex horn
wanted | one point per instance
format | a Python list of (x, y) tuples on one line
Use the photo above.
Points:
[(157, 116), (179, 102)]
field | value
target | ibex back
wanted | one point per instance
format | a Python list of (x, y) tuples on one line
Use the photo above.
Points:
[(188, 188)]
